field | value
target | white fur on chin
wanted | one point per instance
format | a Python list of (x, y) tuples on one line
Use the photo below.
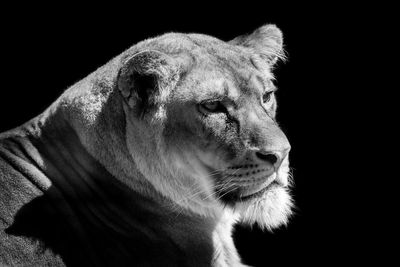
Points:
[(270, 211)]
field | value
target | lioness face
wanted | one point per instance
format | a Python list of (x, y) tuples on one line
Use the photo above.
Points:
[(226, 130), (217, 132)]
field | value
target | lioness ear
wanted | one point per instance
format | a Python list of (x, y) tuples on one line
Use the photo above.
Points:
[(266, 40), (144, 76)]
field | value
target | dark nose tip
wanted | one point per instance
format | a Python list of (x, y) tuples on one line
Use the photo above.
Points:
[(272, 157)]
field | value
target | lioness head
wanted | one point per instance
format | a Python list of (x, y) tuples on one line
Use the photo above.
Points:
[(200, 116)]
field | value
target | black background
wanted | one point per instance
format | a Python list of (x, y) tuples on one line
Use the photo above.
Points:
[(45, 51)]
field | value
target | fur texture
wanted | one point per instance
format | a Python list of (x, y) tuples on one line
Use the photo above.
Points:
[(151, 159)]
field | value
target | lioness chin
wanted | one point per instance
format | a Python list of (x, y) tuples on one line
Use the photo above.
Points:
[(151, 159)]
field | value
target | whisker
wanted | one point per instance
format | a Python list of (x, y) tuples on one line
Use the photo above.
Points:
[(229, 191), (223, 185)]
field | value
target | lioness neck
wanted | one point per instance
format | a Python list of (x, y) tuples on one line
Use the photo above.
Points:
[(82, 206)]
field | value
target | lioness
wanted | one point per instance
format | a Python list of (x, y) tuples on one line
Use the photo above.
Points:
[(151, 159)]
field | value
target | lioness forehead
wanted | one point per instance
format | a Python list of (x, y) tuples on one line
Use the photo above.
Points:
[(216, 66), (217, 54), (208, 52)]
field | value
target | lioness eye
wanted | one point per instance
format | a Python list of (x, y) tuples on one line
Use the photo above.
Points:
[(214, 106), (267, 96)]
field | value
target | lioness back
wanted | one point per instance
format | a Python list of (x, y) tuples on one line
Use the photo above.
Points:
[(151, 159)]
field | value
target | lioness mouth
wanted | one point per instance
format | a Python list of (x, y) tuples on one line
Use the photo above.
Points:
[(243, 194), (260, 192)]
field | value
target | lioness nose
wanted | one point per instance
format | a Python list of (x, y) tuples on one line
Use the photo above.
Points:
[(272, 157)]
